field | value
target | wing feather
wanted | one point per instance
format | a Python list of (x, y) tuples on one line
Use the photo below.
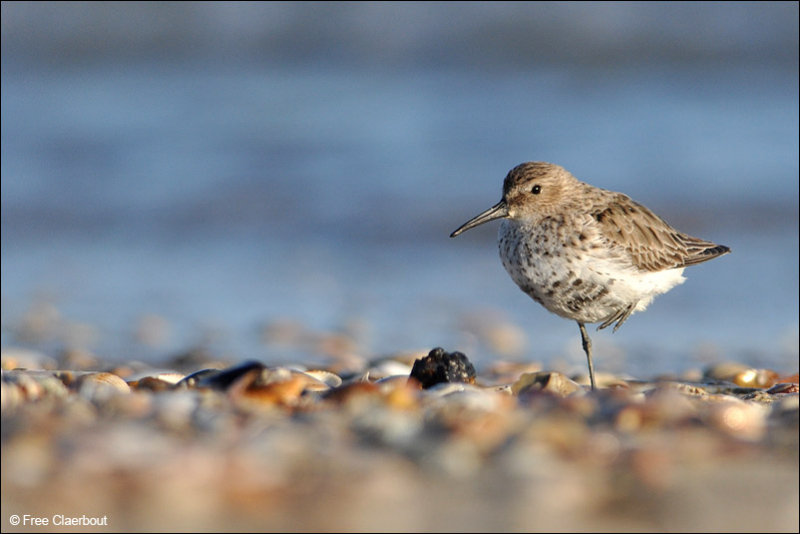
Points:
[(653, 245)]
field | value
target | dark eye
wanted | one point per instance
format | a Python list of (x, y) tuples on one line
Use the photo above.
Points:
[(536, 189)]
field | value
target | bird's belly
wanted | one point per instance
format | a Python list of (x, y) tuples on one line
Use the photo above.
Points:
[(587, 287)]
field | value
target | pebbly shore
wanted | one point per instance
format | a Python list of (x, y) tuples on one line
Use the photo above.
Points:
[(409, 442)]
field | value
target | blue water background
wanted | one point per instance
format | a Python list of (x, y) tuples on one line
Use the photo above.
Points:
[(227, 166)]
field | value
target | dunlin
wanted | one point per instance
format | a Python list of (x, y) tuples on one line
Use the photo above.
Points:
[(585, 253)]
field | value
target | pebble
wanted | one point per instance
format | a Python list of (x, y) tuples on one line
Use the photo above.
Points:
[(548, 382), (100, 386), (440, 366), (741, 375)]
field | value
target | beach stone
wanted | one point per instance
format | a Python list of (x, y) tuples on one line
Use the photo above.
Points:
[(388, 367), (741, 375), (603, 380), (191, 380), (94, 384), (756, 378), (151, 383), (724, 370), (548, 382), (441, 366), (277, 393), (223, 379), (784, 388)]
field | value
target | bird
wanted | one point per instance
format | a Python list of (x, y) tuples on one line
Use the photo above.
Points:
[(585, 253)]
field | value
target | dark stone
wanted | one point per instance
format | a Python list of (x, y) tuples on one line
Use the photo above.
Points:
[(190, 381), (221, 379), (440, 366)]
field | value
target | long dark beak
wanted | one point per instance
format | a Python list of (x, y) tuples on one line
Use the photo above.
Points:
[(498, 211)]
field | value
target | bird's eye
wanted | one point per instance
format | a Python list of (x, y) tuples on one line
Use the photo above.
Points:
[(536, 189)]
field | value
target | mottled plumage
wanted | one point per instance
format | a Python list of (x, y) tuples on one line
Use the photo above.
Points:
[(585, 253)]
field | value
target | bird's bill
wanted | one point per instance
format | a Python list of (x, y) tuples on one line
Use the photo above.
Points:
[(498, 211)]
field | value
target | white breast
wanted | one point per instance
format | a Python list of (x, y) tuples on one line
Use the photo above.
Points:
[(588, 284)]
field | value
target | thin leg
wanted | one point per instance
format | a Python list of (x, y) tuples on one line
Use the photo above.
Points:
[(587, 348)]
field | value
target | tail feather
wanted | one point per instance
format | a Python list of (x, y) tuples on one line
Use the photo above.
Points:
[(706, 253)]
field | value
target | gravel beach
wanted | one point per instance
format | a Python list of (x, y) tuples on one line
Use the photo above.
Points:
[(361, 446)]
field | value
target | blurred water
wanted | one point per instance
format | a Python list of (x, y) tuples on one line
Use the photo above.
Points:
[(225, 194)]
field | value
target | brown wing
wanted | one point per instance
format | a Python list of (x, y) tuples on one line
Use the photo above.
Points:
[(652, 243)]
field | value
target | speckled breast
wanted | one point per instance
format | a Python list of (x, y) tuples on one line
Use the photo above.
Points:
[(568, 278)]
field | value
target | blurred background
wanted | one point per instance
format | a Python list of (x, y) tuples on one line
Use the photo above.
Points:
[(241, 176)]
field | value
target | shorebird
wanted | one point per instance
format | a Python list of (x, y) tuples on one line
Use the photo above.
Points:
[(585, 253)]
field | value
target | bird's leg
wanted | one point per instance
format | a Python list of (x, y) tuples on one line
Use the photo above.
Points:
[(587, 348)]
